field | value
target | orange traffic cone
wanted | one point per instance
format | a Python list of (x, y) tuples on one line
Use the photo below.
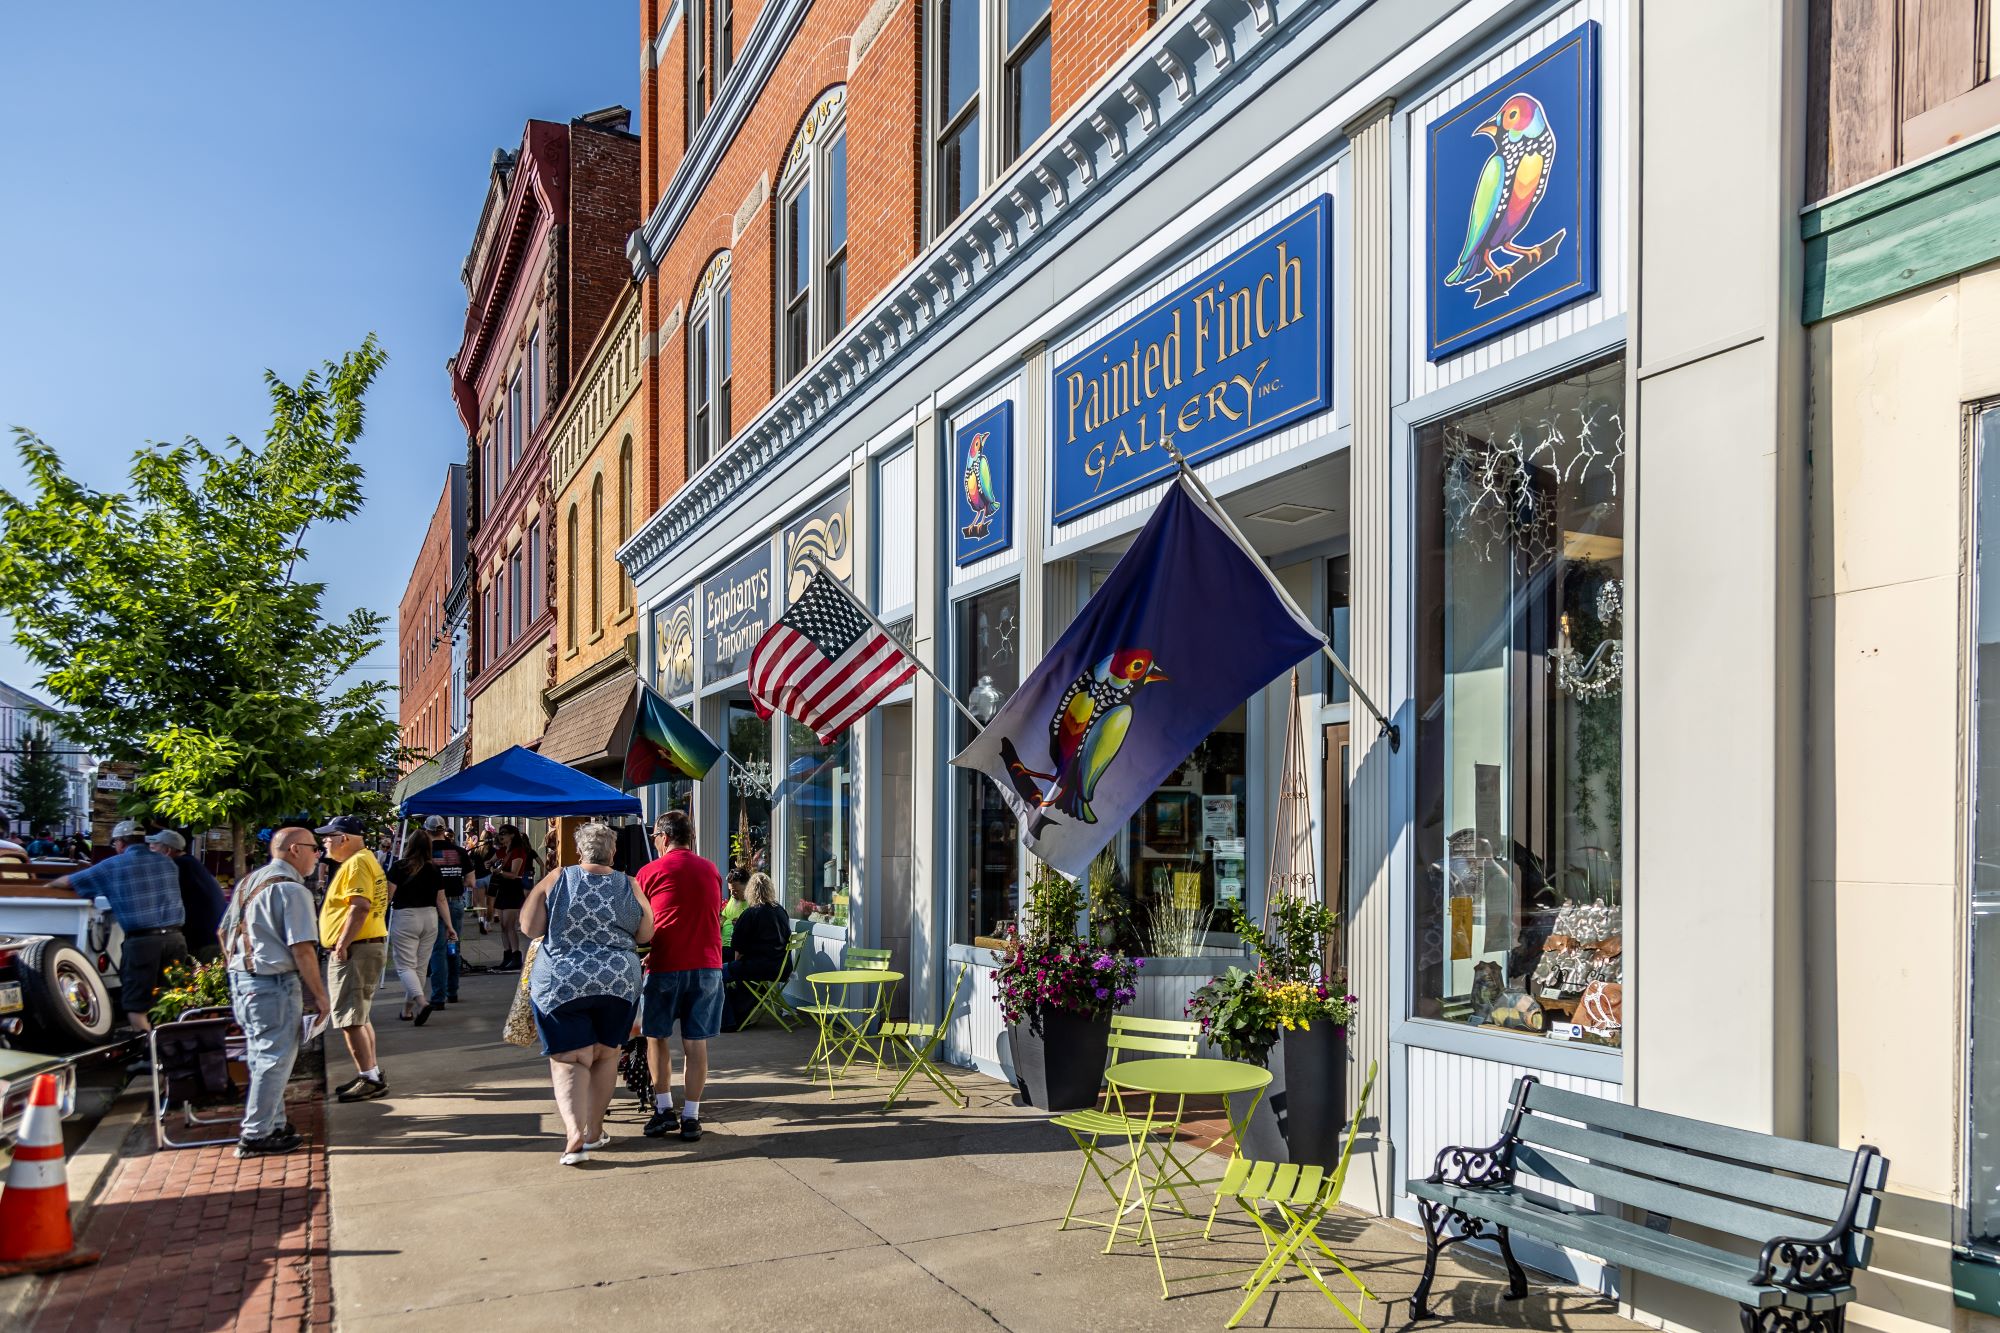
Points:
[(35, 1235)]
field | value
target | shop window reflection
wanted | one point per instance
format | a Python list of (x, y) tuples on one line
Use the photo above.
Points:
[(988, 851), (748, 810), (1520, 699), (819, 822)]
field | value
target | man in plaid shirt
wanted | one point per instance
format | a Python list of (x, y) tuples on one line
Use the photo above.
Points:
[(144, 891)]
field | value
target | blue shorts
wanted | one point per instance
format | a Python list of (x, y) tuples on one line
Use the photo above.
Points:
[(692, 998), (588, 1020)]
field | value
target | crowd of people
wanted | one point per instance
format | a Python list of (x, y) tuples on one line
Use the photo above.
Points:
[(652, 956)]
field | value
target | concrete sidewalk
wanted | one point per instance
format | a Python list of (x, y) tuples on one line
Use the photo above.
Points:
[(795, 1212)]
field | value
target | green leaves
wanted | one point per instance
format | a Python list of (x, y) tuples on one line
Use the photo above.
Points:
[(168, 623)]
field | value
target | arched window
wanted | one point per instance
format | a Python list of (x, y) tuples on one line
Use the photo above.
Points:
[(569, 578), (708, 357), (812, 236), (596, 552), (624, 515)]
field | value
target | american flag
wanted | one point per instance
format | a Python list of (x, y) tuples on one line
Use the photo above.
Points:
[(825, 663)]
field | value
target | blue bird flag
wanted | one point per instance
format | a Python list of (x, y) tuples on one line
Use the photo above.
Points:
[(1187, 627)]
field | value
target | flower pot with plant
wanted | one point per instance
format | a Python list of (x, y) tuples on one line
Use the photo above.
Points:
[(1057, 991), (1290, 1015)]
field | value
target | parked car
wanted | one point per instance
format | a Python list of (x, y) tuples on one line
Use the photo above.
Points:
[(17, 1083), (56, 948)]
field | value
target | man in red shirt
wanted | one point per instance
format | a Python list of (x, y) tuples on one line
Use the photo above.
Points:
[(683, 971)]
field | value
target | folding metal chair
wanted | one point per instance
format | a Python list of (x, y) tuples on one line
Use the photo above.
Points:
[(190, 1058), (1129, 1036), (903, 1039), (1302, 1196), (851, 1022), (769, 996)]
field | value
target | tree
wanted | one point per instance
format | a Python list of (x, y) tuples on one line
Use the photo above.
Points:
[(37, 783), (170, 626)]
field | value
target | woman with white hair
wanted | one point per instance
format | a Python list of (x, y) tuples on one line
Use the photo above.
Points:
[(590, 919)]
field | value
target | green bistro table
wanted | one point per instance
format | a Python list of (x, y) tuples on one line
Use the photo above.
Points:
[(1156, 1167), (843, 1027)]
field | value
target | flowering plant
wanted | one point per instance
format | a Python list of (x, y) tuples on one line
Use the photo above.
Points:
[(1242, 1013), (1052, 967)]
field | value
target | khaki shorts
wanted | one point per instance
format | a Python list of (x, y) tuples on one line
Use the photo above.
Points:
[(353, 982)]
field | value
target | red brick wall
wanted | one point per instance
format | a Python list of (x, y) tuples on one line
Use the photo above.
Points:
[(423, 670), (1091, 36), (885, 135), (603, 211)]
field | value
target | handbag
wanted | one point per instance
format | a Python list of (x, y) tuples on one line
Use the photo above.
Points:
[(519, 1028)]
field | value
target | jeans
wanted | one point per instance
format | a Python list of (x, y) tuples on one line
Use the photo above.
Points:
[(270, 1009), (445, 963), (412, 931)]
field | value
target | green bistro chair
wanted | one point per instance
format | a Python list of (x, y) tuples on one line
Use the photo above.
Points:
[(844, 1028), (1303, 1196), (769, 996), (870, 960), (1151, 1037), (903, 1039)]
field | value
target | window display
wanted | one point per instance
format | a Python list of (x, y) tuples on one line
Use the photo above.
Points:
[(1520, 711), (748, 811), (816, 797), (988, 659)]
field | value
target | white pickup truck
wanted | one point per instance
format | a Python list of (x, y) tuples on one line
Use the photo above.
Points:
[(56, 959)]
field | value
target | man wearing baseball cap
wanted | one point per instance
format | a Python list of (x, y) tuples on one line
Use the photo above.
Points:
[(144, 891), (201, 896), (354, 926)]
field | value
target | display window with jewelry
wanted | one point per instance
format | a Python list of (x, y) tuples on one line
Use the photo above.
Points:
[(1520, 697)]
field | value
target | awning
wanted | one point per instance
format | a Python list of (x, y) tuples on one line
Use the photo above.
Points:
[(592, 727), (439, 766), (518, 782)]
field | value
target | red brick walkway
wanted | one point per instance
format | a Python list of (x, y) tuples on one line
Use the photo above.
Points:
[(195, 1240)]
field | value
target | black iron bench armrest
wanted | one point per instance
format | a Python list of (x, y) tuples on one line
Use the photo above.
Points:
[(1820, 1263), (1475, 1168)]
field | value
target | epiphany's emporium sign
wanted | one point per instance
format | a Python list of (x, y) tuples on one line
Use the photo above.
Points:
[(735, 612), (1239, 352)]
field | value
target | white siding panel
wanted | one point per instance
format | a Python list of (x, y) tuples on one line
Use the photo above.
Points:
[(1460, 1100), (1216, 471), (1010, 392), (974, 1036), (1611, 187), (895, 529)]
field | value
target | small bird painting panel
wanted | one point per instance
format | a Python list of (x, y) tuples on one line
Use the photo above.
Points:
[(1512, 175), (983, 524)]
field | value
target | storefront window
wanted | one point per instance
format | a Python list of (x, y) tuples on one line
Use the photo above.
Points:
[(1982, 1196), (819, 821), (1181, 859), (988, 856), (748, 822), (1520, 710)]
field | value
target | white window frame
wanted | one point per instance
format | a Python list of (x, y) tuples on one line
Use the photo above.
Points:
[(515, 445), (710, 310), (806, 167), (991, 105)]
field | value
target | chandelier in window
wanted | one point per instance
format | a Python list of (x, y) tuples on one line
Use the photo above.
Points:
[(1600, 674)]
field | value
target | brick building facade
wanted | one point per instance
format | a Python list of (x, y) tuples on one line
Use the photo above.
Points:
[(422, 632), (545, 270)]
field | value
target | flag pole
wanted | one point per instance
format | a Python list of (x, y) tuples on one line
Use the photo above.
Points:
[(817, 563), (1220, 515)]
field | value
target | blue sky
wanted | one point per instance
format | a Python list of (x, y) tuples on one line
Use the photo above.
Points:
[(191, 193)]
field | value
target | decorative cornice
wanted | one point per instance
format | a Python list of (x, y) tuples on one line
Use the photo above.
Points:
[(609, 375), (776, 22), (1159, 87)]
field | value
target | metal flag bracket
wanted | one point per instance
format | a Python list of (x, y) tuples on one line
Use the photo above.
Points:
[(1389, 730)]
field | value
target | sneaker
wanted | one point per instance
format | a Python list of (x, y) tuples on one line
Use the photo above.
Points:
[(662, 1121), (352, 1085), (423, 1015), (268, 1145), (602, 1141), (363, 1090), (690, 1129)]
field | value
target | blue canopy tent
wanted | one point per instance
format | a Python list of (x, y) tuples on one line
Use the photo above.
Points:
[(520, 783)]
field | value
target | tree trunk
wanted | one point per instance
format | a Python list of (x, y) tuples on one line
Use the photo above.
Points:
[(238, 856)]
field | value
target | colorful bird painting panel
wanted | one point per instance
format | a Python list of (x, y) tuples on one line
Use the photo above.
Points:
[(984, 485), (1512, 198)]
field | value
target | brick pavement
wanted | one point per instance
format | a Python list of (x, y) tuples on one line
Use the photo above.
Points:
[(195, 1240)]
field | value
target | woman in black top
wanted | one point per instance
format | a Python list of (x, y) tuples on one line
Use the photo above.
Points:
[(762, 934), (418, 912), (511, 870)]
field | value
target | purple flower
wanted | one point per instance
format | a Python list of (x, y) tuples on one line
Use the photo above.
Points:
[(1138, 962), (1104, 963), (1103, 994)]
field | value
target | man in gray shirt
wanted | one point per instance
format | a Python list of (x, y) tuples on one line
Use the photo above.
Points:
[(270, 935)]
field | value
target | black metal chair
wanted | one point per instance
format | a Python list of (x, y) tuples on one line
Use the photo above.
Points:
[(191, 1075)]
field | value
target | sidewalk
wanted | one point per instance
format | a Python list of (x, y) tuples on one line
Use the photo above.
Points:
[(795, 1212)]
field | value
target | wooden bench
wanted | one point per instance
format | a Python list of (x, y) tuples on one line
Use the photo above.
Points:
[(1800, 1212)]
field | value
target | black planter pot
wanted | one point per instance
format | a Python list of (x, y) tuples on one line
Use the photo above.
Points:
[(1302, 1113), (1062, 1068)]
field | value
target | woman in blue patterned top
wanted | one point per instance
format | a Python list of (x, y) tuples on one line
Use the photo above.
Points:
[(591, 921)]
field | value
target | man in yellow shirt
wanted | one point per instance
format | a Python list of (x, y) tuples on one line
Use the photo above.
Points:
[(353, 925)]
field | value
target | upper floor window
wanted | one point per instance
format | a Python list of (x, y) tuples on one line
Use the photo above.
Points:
[(708, 367), (624, 515), (569, 577), (514, 590), (501, 463), (533, 367), (596, 551), (537, 596), (812, 237), (514, 421), (711, 48), (990, 95)]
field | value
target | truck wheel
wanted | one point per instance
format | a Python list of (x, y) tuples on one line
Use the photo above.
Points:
[(68, 1001)]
